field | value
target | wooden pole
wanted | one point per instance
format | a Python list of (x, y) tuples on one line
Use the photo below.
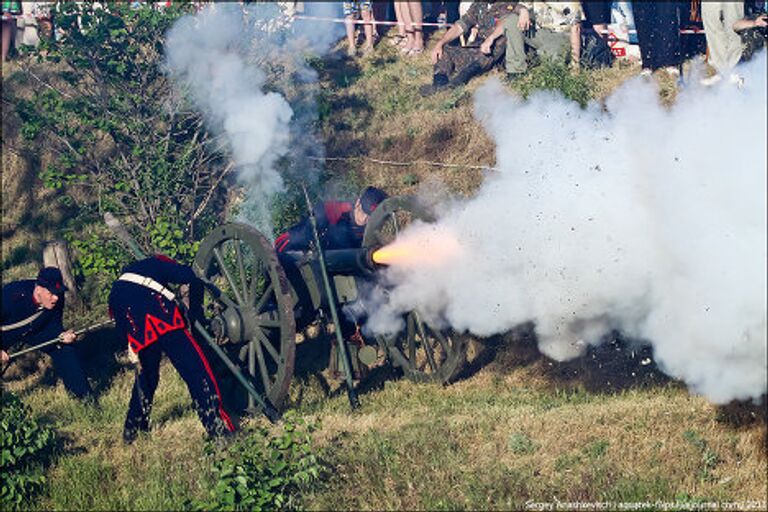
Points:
[(56, 254)]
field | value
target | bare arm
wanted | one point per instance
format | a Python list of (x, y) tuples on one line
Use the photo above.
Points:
[(452, 33), (744, 24), (523, 23)]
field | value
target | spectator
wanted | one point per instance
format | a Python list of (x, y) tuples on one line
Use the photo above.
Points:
[(722, 20), (10, 9), (658, 33), (352, 10), (556, 28), (456, 65), (597, 14), (411, 15), (401, 39)]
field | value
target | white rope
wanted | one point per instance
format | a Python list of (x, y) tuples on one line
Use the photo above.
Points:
[(404, 164)]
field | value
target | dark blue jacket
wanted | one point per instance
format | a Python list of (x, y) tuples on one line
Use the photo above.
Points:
[(335, 225), (18, 304), (143, 314)]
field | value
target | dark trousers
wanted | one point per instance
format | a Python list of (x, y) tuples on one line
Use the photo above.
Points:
[(658, 33), (66, 364), (458, 65), (188, 359)]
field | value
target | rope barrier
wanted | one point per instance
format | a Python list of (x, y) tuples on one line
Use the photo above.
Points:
[(444, 25), (395, 163)]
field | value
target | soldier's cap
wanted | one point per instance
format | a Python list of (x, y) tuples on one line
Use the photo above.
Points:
[(370, 199), (50, 279)]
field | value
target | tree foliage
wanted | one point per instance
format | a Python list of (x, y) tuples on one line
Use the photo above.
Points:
[(125, 140)]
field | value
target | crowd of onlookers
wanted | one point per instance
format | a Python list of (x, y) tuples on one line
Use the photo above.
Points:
[(473, 37)]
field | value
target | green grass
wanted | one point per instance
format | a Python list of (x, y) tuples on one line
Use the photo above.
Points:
[(508, 433)]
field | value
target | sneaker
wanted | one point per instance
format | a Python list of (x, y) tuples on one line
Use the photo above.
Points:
[(646, 73), (712, 80), (672, 71)]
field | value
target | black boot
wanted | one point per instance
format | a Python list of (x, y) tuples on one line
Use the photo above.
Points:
[(465, 74), (439, 82)]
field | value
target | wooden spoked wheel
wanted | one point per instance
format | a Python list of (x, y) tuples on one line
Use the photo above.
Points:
[(252, 318), (424, 353)]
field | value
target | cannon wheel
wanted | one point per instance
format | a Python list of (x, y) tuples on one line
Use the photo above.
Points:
[(255, 311), (423, 352)]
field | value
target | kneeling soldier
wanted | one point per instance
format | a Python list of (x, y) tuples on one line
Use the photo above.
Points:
[(146, 312), (32, 312)]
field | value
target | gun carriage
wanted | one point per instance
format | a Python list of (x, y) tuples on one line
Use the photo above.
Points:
[(255, 302)]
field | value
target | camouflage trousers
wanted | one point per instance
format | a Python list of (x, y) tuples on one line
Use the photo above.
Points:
[(459, 64)]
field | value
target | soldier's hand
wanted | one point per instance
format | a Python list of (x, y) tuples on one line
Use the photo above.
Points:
[(485, 48), (524, 20), (68, 336), (4, 356), (437, 53), (761, 21)]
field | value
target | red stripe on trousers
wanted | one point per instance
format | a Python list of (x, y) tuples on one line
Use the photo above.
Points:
[(223, 414)]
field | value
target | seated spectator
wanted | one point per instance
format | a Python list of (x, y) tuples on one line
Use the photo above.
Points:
[(722, 22), (554, 33), (456, 65), (10, 11), (352, 10)]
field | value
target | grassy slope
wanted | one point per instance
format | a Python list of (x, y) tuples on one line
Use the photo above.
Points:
[(515, 427)]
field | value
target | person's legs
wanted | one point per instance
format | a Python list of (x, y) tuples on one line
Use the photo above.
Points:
[(645, 18), (723, 43), (515, 50), (405, 12), (190, 361), (144, 386), (400, 18), (669, 51), (367, 15), (68, 368), (417, 15), (7, 28), (349, 24)]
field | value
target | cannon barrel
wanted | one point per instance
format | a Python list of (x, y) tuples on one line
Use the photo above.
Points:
[(351, 261)]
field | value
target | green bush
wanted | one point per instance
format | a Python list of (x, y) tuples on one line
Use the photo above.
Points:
[(26, 447), (263, 471), (576, 85)]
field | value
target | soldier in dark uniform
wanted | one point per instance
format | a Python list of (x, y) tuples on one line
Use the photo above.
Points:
[(340, 224), (456, 65), (32, 312), (146, 312)]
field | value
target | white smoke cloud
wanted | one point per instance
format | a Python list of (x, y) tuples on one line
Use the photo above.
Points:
[(219, 55), (638, 217)]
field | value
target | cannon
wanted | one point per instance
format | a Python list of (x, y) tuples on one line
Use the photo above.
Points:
[(255, 302)]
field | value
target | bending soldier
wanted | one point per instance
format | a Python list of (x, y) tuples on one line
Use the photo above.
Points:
[(32, 312), (147, 314), (340, 224)]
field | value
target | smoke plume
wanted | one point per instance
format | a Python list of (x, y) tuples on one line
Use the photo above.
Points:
[(634, 216), (225, 55)]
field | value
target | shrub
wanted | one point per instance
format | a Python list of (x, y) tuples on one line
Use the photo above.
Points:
[(25, 448), (260, 471), (576, 85)]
